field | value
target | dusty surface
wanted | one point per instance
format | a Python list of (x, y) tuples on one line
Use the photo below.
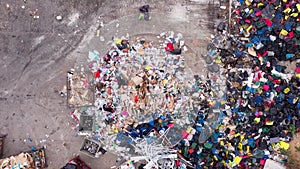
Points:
[(294, 152), (36, 53)]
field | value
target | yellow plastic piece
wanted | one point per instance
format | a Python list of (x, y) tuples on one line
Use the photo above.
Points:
[(269, 123), (284, 145), (298, 7), (148, 67), (223, 102), (286, 90), (242, 137), (118, 41), (189, 130), (164, 82), (260, 4), (295, 100), (286, 17), (294, 15), (284, 32), (237, 160), (257, 120), (249, 28), (240, 146), (248, 3), (218, 61), (236, 135), (287, 10)]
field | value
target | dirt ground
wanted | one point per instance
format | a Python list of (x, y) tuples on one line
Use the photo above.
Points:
[(36, 53), (294, 153)]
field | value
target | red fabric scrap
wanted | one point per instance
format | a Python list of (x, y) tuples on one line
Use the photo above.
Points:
[(258, 13), (184, 134), (291, 34), (262, 162), (266, 87), (177, 163), (109, 91), (169, 47), (191, 150), (247, 21), (276, 81), (262, 54), (97, 74), (171, 125), (136, 99), (268, 22)]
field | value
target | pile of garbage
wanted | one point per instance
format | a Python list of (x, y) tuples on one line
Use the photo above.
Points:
[(242, 114), (26, 160), (262, 107), (267, 29), (139, 88), (135, 85)]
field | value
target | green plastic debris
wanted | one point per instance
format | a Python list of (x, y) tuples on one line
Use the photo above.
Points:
[(208, 145), (141, 16), (194, 145)]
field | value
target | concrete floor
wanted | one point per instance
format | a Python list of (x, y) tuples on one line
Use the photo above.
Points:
[(36, 53)]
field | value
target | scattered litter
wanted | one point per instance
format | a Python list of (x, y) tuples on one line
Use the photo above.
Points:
[(241, 115), (59, 18)]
